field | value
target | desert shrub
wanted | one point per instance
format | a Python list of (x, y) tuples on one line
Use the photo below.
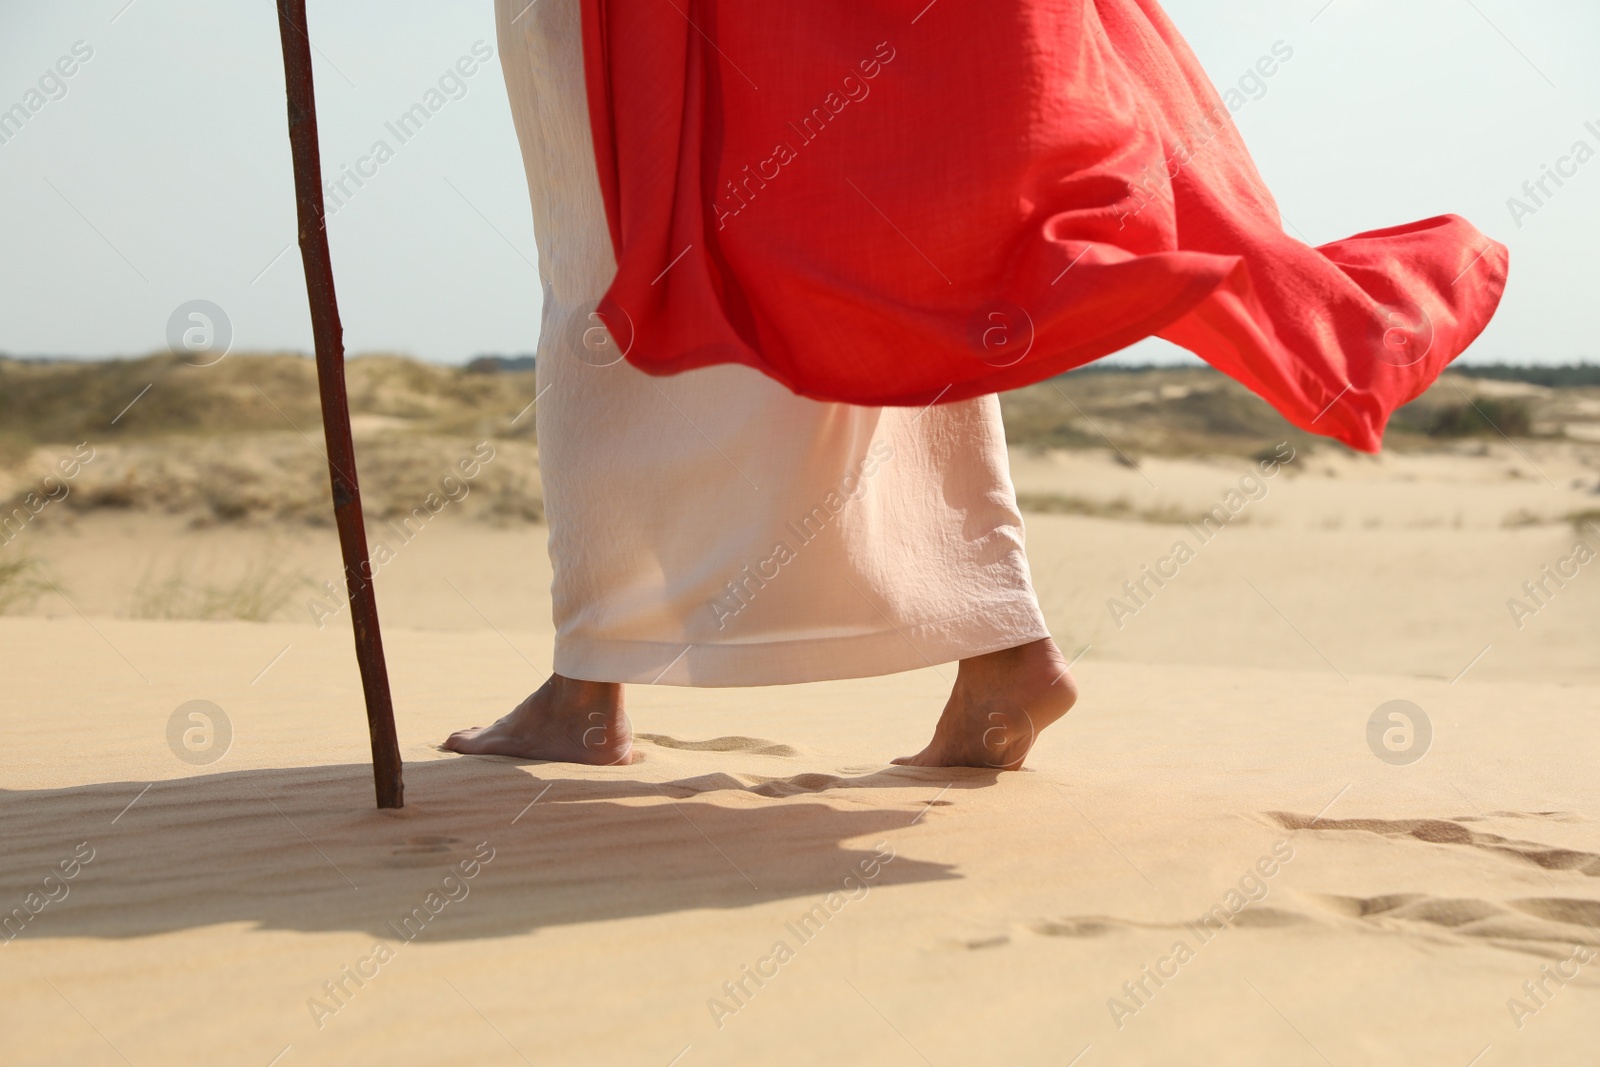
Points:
[(258, 593), (21, 581), (1485, 415)]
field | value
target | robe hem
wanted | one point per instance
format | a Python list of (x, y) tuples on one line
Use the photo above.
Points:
[(990, 628)]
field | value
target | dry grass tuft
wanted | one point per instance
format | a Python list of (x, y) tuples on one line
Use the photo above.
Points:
[(1121, 508), (240, 442), (264, 588), (21, 581)]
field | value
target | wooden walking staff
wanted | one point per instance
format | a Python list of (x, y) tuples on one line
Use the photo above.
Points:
[(329, 337)]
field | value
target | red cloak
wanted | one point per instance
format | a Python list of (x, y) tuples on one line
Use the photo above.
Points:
[(897, 202)]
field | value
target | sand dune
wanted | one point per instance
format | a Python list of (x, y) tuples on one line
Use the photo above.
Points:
[(608, 907), (1207, 862)]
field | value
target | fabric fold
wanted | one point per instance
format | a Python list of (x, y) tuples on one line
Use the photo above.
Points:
[(890, 203)]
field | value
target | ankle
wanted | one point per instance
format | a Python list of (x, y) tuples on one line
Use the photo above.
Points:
[(1034, 676), (576, 693)]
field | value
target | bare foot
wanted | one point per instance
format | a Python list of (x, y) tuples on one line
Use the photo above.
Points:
[(998, 706), (566, 721)]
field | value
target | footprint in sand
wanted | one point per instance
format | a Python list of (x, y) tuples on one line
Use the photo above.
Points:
[(1087, 926), (1075, 927), (751, 746), (426, 850), (1542, 926), (1525, 924), (1536, 924), (1452, 832), (760, 784), (975, 944), (1547, 816), (778, 787), (1539, 925)]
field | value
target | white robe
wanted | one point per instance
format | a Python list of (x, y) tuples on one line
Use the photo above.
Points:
[(713, 529)]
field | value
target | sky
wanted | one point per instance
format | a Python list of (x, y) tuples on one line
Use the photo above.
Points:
[(158, 172)]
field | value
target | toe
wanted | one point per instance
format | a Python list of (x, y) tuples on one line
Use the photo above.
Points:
[(457, 741)]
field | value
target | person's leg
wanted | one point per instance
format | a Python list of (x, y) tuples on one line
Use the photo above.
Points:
[(998, 706), (566, 720)]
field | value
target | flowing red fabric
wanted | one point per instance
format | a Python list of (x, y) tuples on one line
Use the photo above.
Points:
[(897, 202)]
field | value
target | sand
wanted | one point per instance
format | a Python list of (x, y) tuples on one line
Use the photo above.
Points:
[(878, 915)]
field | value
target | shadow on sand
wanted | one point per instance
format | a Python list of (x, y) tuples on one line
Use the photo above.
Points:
[(303, 848)]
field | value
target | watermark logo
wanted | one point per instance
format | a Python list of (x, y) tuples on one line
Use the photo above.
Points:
[(52, 86), (1404, 335), (741, 187), (1252, 888), (741, 591), (1001, 334), (1538, 991), (737, 993), (453, 888), (1537, 193), (1538, 592), (451, 490), (199, 333), (199, 732), (1399, 733), (51, 889), (1003, 736), (350, 178), (1252, 489), (597, 338), (26, 506), (1153, 184)]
